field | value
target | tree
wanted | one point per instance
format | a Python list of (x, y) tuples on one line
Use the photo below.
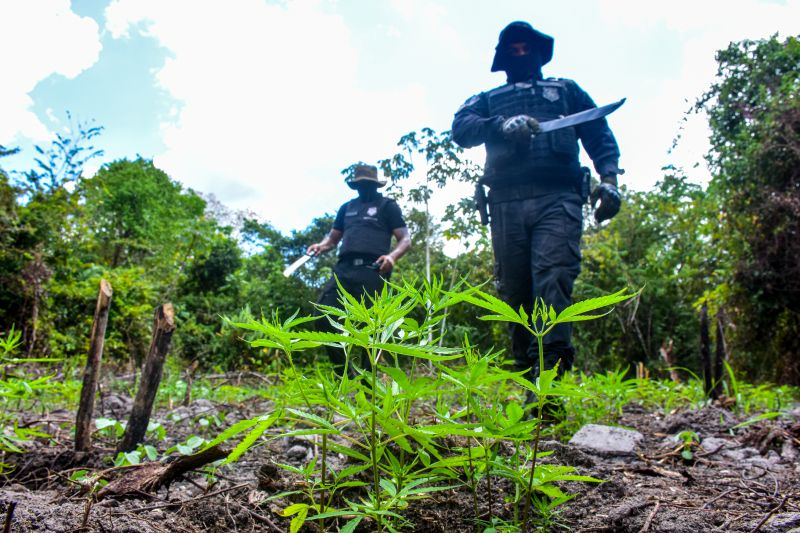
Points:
[(136, 214), (35, 247), (665, 240), (754, 114)]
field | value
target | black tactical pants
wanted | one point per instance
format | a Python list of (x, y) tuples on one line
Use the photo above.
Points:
[(536, 244), (357, 279)]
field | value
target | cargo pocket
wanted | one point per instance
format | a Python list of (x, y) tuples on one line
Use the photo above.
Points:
[(564, 142), (573, 227)]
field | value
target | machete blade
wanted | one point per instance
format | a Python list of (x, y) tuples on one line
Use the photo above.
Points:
[(579, 118), (297, 264)]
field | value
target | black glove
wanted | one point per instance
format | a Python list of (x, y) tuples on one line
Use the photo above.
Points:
[(520, 128), (608, 195)]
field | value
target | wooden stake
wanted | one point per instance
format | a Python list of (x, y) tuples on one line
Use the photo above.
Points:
[(705, 349), (719, 356), (83, 421), (187, 395), (669, 360), (163, 328)]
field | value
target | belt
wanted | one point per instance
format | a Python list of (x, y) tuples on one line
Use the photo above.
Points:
[(524, 191), (357, 261)]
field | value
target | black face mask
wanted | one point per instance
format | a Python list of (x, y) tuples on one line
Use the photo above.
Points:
[(367, 190), (521, 68)]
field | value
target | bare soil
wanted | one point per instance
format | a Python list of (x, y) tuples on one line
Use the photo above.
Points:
[(737, 480)]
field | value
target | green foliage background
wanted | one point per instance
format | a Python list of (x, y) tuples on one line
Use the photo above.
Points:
[(732, 243)]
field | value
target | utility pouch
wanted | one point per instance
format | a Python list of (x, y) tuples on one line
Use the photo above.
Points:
[(586, 184)]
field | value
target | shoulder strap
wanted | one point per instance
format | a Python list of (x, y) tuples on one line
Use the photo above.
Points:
[(500, 90)]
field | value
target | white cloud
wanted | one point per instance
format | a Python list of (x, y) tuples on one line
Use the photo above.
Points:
[(430, 20), (39, 39), (697, 31), (271, 106)]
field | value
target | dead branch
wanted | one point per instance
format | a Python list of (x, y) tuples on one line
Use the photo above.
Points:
[(149, 477)]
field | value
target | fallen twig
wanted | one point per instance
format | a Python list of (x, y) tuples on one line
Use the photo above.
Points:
[(182, 502), (649, 520), (9, 516), (717, 497), (86, 510), (769, 514), (263, 518)]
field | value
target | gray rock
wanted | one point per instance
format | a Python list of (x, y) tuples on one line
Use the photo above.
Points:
[(116, 405), (770, 462), (625, 510), (204, 404), (760, 462), (773, 457), (741, 454), (297, 452), (782, 522), (788, 451), (606, 439), (713, 445)]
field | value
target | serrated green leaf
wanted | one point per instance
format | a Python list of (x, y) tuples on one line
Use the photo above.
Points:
[(571, 313), (388, 486), (549, 490), (318, 420), (248, 441), (234, 430), (298, 521), (350, 526), (294, 509), (430, 353)]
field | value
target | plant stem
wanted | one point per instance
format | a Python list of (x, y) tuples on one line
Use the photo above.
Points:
[(540, 405), (322, 492), (373, 441), (516, 485), (489, 496), (471, 467)]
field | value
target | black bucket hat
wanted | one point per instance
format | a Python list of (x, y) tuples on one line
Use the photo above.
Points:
[(519, 31)]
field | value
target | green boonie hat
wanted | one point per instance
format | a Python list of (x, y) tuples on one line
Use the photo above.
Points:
[(364, 173)]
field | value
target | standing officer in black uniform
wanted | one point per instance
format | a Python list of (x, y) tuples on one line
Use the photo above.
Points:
[(365, 226), (536, 183)]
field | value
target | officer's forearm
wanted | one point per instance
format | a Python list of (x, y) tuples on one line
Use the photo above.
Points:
[(330, 241), (403, 245), (470, 130)]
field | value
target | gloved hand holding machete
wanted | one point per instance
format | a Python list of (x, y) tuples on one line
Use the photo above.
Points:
[(521, 129)]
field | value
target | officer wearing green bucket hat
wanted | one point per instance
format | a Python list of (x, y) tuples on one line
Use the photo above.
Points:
[(365, 226)]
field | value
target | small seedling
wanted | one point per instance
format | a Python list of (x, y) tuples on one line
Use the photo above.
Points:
[(689, 442)]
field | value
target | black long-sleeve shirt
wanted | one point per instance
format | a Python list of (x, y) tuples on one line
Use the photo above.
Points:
[(474, 125)]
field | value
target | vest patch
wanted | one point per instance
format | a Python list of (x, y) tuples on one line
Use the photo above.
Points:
[(550, 93)]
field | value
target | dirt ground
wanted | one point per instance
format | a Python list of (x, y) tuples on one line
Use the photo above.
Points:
[(743, 480)]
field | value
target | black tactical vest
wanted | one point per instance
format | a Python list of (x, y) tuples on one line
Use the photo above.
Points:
[(550, 157), (365, 233)]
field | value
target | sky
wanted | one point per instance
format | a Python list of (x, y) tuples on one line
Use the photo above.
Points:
[(262, 103)]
